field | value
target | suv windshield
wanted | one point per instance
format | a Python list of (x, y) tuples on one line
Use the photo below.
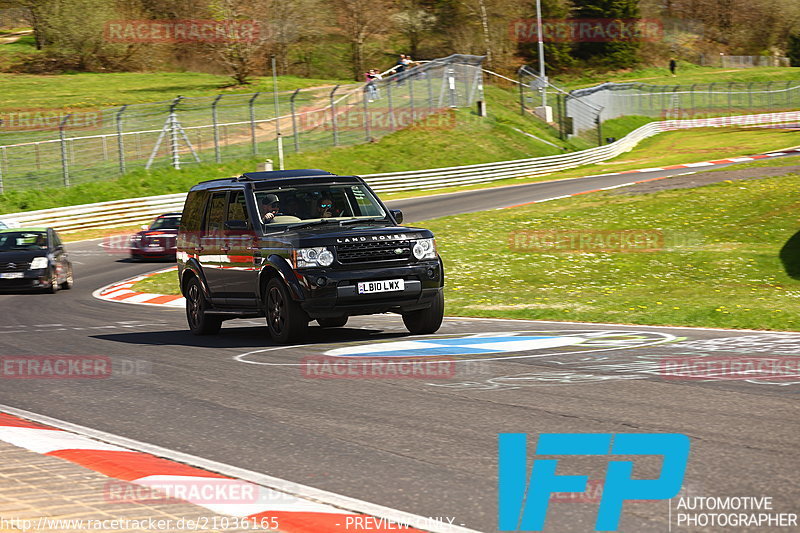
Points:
[(302, 204), (23, 240)]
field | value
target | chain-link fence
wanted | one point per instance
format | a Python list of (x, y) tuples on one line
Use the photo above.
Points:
[(726, 61), (581, 112), (37, 151), (569, 116)]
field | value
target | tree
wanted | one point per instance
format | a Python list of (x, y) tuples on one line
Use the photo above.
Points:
[(414, 20), (34, 10), (557, 55), (793, 50), (241, 54), (618, 53), (360, 20)]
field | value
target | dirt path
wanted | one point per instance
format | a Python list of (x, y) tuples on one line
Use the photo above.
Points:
[(14, 37)]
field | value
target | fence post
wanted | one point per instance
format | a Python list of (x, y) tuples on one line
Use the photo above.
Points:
[(391, 105), (295, 133), (365, 103), (430, 91), (411, 97), (711, 97), (252, 105), (120, 140), (215, 129), (173, 133), (64, 162), (769, 95), (333, 117), (451, 84), (3, 158), (691, 101), (599, 124), (788, 99), (730, 98)]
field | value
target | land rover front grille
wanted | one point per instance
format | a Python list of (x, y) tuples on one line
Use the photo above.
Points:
[(370, 252)]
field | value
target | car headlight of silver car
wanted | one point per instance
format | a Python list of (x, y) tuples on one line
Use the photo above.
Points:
[(312, 257), (38, 262), (425, 249)]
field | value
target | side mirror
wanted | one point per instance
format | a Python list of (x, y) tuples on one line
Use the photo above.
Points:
[(397, 214), (236, 225)]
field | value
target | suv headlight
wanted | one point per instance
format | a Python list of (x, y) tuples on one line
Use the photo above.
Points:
[(38, 262), (425, 249), (311, 257)]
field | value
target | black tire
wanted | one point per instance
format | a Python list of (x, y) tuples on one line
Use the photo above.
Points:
[(335, 322), (200, 323), (53, 288), (426, 320), (286, 321), (68, 281)]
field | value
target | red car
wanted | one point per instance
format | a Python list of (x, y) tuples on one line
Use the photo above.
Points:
[(158, 240)]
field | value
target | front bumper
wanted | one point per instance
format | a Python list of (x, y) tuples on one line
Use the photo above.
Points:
[(30, 280), (332, 293)]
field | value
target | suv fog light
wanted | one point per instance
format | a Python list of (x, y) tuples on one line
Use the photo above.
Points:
[(322, 281)]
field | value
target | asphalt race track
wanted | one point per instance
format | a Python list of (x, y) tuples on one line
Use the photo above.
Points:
[(425, 444)]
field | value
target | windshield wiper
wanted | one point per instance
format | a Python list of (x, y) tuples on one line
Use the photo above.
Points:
[(357, 220), (309, 224)]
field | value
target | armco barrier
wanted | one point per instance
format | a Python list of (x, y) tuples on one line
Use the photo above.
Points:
[(126, 212)]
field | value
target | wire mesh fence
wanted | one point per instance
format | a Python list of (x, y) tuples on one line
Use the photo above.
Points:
[(42, 150), (582, 112)]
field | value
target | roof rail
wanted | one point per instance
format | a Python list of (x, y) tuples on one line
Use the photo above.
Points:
[(273, 174)]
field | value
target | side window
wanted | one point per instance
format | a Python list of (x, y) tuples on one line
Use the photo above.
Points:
[(192, 219), (237, 209), (56, 240), (216, 213)]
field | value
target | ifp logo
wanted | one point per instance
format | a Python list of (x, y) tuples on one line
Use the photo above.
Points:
[(523, 504)]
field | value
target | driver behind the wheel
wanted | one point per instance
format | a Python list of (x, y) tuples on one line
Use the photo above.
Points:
[(269, 207)]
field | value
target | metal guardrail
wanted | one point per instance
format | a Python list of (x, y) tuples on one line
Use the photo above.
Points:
[(126, 212)]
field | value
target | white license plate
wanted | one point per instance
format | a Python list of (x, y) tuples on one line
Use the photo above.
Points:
[(387, 285), (12, 275)]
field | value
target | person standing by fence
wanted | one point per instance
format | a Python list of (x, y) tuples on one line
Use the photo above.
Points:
[(672, 66), (372, 90)]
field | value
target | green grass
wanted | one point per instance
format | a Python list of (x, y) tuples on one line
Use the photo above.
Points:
[(730, 271), (86, 90), (687, 74), (621, 126), (731, 276), (164, 283)]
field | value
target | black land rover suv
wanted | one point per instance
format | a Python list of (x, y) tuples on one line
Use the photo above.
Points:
[(302, 245)]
